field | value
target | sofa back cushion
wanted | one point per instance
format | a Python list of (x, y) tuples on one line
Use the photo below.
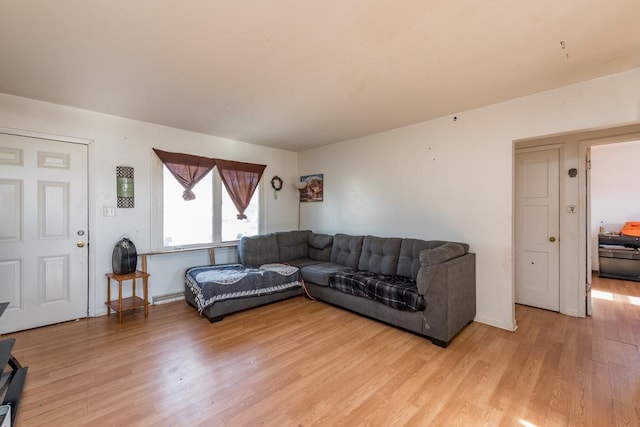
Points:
[(293, 244), (409, 260), (253, 251), (380, 255), (346, 250), (320, 246)]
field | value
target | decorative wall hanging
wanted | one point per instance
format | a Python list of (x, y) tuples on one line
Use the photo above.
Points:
[(312, 189), (276, 184), (125, 187)]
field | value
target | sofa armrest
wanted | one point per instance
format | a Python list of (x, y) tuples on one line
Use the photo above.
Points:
[(430, 259), (449, 289), (442, 253)]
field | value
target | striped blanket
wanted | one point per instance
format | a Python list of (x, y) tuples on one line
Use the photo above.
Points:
[(214, 283)]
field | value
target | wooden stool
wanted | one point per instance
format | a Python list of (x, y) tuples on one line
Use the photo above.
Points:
[(132, 302)]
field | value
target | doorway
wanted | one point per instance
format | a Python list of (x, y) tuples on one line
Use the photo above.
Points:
[(575, 236), (613, 189), (43, 232)]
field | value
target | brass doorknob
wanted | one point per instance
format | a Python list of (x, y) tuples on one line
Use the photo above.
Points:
[(80, 244), (552, 239)]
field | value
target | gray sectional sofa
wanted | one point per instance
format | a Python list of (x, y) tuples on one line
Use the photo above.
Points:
[(427, 287)]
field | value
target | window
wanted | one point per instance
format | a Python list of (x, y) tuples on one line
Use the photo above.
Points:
[(210, 218)]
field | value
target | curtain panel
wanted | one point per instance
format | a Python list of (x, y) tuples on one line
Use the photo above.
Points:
[(241, 180), (186, 168)]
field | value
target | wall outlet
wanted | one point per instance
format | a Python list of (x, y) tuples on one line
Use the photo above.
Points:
[(108, 211)]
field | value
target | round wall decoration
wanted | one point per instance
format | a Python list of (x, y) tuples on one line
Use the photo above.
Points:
[(276, 183)]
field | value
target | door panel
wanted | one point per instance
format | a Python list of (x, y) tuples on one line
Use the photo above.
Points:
[(53, 210), (44, 275), (11, 289), (11, 221), (54, 279), (537, 228)]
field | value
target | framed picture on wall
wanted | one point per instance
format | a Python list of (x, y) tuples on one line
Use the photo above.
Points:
[(311, 188)]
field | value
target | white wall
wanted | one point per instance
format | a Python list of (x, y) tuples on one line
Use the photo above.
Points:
[(118, 141), (437, 179), (615, 198), (453, 180)]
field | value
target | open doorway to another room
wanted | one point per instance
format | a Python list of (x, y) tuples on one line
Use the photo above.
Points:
[(614, 201), (581, 207)]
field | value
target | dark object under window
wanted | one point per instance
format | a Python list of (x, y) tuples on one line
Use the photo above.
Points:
[(125, 257)]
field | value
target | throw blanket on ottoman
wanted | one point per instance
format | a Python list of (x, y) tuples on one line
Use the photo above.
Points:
[(213, 283), (396, 292)]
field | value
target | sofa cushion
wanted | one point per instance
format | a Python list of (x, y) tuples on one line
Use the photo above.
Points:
[(320, 273), (254, 251), (303, 262), (380, 255), (293, 244), (320, 246), (346, 250), (409, 260)]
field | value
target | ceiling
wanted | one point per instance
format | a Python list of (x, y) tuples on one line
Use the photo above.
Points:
[(298, 74)]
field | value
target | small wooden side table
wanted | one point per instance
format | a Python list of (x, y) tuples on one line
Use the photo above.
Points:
[(132, 302)]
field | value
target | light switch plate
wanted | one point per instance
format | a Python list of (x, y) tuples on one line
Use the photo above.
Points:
[(108, 211)]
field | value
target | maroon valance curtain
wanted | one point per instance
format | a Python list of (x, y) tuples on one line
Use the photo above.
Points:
[(240, 180), (187, 169)]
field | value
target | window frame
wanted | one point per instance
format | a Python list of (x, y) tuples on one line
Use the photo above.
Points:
[(157, 219)]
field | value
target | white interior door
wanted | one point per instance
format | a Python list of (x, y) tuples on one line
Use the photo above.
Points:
[(537, 228), (43, 232)]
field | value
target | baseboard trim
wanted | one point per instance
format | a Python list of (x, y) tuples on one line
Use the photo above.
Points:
[(166, 298), (511, 327)]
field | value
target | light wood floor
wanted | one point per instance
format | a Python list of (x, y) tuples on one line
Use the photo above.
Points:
[(304, 363)]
